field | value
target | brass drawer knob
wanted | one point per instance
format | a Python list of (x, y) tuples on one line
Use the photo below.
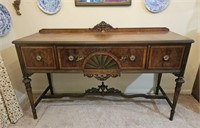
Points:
[(166, 57), (71, 58), (38, 58), (132, 58)]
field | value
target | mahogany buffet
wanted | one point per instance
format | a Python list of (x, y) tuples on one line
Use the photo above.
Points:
[(103, 52)]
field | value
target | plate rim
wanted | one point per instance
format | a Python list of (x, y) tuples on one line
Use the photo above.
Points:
[(47, 12), (157, 11), (9, 20)]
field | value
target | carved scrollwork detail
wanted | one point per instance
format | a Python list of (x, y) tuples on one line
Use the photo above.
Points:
[(16, 5), (103, 90), (103, 27), (101, 77)]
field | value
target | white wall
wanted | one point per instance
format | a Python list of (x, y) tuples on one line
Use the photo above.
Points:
[(181, 16)]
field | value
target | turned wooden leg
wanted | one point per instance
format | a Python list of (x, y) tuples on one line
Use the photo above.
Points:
[(50, 83), (158, 83), (179, 82), (27, 83)]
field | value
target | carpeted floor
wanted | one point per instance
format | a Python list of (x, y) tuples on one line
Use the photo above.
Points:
[(111, 112)]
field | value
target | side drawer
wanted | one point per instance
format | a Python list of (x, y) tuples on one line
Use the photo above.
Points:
[(166, 57), (38, 57)]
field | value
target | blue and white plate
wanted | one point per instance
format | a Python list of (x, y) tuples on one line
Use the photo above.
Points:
[(5, 21), (49, 6), (156, 6)]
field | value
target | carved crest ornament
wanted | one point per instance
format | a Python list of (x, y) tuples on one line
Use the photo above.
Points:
[(103, 27)]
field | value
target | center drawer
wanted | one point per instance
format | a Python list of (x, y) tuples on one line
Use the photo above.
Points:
[(125, 57)]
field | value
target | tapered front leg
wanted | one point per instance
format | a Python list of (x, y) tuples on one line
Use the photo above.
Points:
[(27, 83), (179, 82)]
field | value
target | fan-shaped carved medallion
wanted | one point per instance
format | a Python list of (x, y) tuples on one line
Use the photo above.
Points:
[(101, 67), (101, 62)]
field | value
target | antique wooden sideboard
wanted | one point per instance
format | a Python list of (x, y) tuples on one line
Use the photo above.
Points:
[(102, 52)]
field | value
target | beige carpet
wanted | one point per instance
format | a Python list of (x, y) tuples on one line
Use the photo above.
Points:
[(106, 113)]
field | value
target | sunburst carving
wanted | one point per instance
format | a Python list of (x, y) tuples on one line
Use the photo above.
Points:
[(101, 62), (101, 67)]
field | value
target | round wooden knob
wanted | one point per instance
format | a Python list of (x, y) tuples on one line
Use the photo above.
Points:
[(38, 58), (166, 57), (71, 58), (132, 58)]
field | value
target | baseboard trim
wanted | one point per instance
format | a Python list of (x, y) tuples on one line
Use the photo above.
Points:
[(23, 100)]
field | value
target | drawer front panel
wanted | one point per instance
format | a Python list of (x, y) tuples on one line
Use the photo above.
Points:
[(131, 57), (125, 57), (70, 57), (166, 57), (38, 57)]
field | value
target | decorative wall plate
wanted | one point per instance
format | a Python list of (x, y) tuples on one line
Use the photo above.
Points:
[(156, 6), (49, 6), (5, 21)]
